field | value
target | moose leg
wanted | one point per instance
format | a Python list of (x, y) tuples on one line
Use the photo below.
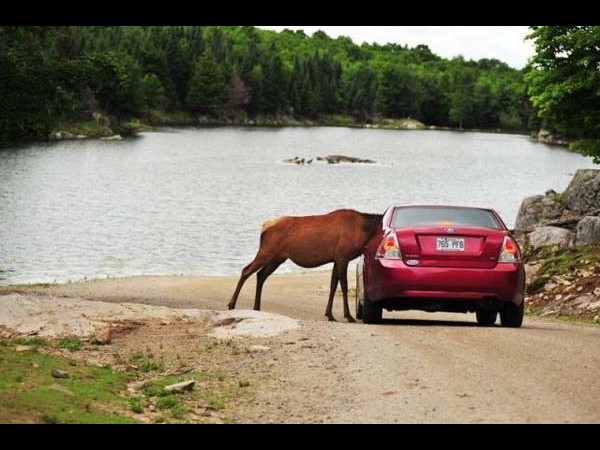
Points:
[(343, 276), (248, 270), (334, 282), (261, 277)]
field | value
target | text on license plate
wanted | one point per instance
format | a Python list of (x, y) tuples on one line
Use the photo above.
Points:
[(450, 244)]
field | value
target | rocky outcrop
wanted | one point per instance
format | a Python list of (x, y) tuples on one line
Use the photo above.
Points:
[(331, 159), (543, 236), (570, 218), (538, 209), (548, 137), (588, 230), (336, 159), (583, 193)]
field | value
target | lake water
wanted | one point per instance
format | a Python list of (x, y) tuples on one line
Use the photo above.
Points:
[(192, 201)]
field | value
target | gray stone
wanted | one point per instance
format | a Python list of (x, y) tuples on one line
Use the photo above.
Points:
[(536, 210), (583, 193), (529, 213), (114, 137), (543, 236), (588, 230), (56, 373), (548, 137), (183, 386)]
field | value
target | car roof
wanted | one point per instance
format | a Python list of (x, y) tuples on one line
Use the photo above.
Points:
[(441, 206)]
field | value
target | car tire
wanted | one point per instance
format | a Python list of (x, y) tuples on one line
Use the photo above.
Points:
[(512, 315), (371, 313), (359, 307), (486, 318)]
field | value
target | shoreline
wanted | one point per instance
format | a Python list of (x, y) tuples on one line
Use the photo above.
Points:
[(85, 130), (295, 294)]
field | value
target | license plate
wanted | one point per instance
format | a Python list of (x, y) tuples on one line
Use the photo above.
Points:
[(450, 244)]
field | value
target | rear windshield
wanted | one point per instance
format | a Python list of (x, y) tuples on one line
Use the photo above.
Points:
[(443, 217)]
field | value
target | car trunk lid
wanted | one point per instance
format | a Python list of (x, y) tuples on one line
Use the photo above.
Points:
[(458, 247)]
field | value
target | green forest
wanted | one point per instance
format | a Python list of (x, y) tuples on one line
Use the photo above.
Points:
[(53, 75)]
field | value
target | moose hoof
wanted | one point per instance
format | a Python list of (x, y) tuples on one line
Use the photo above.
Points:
[(230, 307), (331, 319), (350, 319)]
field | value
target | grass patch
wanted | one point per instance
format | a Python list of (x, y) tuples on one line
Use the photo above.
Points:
[(337, 120), (34, 342), (70, 343), (146, 363), (135, 405), (133, 126), (556, 262), (87, 128), (29, 394), (167, 402)]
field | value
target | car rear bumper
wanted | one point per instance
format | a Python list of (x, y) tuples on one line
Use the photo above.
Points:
[(392, 281)]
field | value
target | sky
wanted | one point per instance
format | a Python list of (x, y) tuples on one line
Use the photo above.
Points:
[(504, 43)]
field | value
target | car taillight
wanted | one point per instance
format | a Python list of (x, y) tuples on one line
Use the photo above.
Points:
[(389, 248), (510, 251)]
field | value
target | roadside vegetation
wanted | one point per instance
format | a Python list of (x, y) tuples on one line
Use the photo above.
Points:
[(70, 380), (565, 283)]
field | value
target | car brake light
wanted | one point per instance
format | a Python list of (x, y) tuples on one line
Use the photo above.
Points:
[(389, 248), (510, 251)]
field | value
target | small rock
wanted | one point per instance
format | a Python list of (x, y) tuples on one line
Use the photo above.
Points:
[(35, 365), (580, 288), (597, 318), (258, 349), (558, 298), (131, 368), (23, 348), (289, 342), (244, 383), (103, 337), (183, 386), (593, 306), (56, 373), (597, 292)]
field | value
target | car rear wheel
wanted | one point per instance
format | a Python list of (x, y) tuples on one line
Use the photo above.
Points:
[(512, 315), (371, 313), (486, 318), (359, 306)]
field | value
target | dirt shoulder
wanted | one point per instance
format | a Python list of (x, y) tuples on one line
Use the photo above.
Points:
[(415, 367)]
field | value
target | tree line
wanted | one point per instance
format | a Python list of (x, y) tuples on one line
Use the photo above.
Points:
[(49, 74)]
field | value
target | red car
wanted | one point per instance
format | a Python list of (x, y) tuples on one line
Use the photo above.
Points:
[(442, 258)]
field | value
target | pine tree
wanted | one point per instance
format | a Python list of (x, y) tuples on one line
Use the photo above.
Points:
[(208, 90)]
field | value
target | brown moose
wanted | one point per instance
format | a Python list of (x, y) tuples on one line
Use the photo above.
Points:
[(312, 241)]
